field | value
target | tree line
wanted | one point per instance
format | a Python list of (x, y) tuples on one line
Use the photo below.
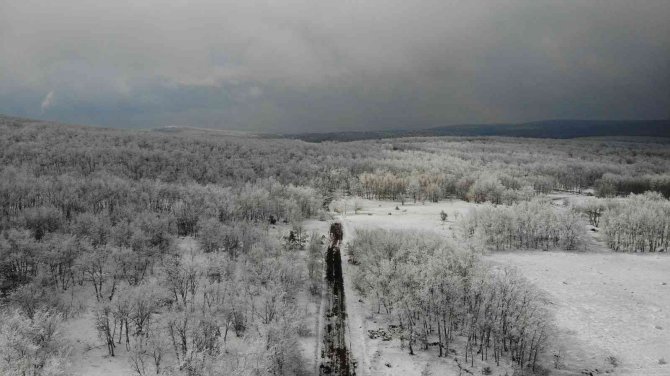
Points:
[(534, 224), (446, 297)]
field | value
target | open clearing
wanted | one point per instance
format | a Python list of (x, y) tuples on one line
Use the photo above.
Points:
[(606, 304)]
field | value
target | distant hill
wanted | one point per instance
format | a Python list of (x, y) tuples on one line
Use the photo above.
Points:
[(559, 129), (213, 131), (538, 129), (13, 121)]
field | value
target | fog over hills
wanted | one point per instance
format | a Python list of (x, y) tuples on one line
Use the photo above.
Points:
[(556, 129), (562, 129)]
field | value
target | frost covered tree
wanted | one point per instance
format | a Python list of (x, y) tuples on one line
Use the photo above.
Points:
[(531, 225), (638, 223), (315, 263), (593, 208), (32, 346), (436, 293)]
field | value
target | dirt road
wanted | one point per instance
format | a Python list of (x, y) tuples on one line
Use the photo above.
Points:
[(336, 357)]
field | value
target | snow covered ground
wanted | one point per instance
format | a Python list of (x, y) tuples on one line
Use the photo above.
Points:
[(89, 355), (375, 356), (609, 307), (606, 305)]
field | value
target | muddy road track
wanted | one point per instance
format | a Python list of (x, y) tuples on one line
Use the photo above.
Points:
[(335, 358)]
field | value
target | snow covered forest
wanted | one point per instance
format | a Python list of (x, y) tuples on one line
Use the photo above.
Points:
[(187, 252), (436, 291)]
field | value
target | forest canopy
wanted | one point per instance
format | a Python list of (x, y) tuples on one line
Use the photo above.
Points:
[(187, 251)]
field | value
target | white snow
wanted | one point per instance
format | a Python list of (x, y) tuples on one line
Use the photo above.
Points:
[(375, 356), (606, 304)]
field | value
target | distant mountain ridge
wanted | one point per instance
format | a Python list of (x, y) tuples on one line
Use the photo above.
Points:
[(560, 129), (557, 129)]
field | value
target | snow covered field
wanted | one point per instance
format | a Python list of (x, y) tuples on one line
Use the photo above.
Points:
[(612, 309), (606, 305)]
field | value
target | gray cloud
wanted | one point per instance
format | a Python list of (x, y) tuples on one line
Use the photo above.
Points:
[(296, 65)]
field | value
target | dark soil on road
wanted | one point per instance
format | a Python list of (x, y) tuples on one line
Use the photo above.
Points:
[(336, 359)]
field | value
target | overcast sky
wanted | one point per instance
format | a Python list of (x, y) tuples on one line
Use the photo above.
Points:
[(322, 65)]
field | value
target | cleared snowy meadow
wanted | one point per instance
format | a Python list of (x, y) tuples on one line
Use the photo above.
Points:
[(610, 308)]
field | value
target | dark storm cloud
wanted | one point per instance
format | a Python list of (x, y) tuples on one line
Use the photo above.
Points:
[(308, 65)]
